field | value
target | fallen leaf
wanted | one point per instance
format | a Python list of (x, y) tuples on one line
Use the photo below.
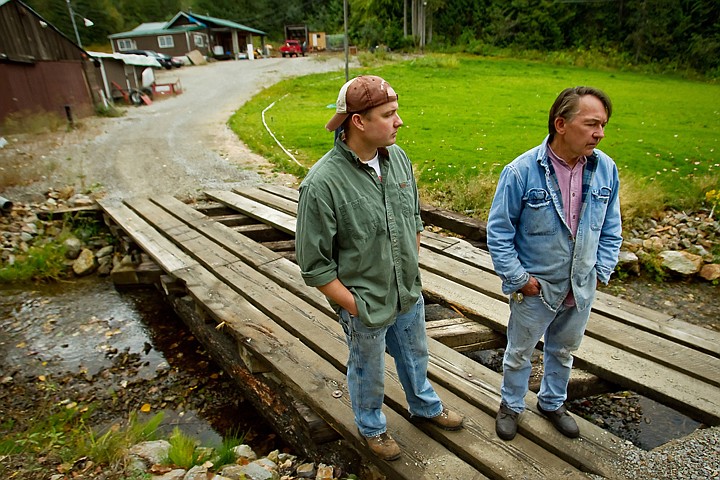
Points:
[(145, 408)]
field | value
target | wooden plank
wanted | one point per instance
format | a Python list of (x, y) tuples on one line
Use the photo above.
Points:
[(663, 351), (154, 244), (464, 335), (461, 224), (324, 336), (682, 392), (281, 221), (262, 196), (248, 251), (280, 191)]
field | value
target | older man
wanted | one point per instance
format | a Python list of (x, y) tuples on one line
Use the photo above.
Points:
[(554, 230)]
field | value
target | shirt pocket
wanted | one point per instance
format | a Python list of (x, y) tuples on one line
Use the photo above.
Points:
[(359, 220), (538, 216), (598, 204), (406, 197)]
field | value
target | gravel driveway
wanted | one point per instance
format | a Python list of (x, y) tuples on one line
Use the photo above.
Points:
[(178, 145)]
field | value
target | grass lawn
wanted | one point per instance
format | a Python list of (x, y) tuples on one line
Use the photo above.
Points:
[(466, 117)]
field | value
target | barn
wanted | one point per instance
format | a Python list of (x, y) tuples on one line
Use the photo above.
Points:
[(41, 70)]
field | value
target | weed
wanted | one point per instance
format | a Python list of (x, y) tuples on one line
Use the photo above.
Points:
[(183, 451), (33, 122), (651, 263), (110, 447), (224, 455), (41, 262)]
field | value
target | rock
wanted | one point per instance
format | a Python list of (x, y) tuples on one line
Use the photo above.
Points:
[(104, 252), (259, 470), (198, 472), (682, 262), (80, 200), (176, 474), (629, 261), (710, 272), (244, 451), (306, 470), (325, 472), (85, 264), (151, 452), (653, 244), (233, 472), (72, 246)]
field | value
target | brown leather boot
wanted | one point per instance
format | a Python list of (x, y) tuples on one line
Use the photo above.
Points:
[(448, 420), (384, 446)]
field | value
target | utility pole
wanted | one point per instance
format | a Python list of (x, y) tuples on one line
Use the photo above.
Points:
[(347, 47), (72, 18)]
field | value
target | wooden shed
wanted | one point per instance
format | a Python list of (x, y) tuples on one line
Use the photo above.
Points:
[(41, 70), (317, 41), (123, 71)]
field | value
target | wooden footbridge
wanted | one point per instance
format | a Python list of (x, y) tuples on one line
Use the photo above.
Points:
[(227, 266)]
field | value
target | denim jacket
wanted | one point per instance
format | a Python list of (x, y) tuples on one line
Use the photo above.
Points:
[(528, 235)]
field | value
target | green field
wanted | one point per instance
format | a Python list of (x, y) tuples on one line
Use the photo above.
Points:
[(466, 117)]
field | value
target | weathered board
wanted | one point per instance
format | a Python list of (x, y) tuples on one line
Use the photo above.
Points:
[(281, 341)]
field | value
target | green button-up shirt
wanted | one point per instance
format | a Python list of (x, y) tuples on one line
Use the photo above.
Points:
[(362, 230)]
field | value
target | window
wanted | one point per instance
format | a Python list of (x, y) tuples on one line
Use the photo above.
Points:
[(199, 40), (166, 41), (126, 45)]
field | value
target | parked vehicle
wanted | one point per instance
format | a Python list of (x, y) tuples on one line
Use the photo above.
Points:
[(292, 47), (166, 61)]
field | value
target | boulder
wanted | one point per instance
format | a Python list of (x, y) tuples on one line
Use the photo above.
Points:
[(85, 264), (684, 263), (710, 272), (72, 245)]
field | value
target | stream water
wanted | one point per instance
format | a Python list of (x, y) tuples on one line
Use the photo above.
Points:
[(78, 326)]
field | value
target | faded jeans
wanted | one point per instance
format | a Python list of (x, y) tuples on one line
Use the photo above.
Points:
[(529, 320), (406, 342)]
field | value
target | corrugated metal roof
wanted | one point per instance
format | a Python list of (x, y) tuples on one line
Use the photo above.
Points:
[(159, 31), (149, 26), (128, 59), (224, 23)]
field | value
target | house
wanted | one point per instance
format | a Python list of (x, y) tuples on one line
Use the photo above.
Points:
[(42, 70), (186, 32)]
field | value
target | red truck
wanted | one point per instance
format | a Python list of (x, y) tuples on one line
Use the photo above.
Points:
[(292, 47)]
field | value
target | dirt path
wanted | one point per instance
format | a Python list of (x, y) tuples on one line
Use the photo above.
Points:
[(177, 145)]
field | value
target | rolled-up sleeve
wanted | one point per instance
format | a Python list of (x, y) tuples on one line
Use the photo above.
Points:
[(316, 230)]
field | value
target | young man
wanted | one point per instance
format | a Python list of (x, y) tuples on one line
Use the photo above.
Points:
[(554, 230), (358, 239)]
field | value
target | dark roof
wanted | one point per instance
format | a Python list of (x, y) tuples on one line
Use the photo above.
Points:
[(207, 21)]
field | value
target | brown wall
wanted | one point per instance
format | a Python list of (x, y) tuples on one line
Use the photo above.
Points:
[(23, 38), (45, 86), (150, 42)]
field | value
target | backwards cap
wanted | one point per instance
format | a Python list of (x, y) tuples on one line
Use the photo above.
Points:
[(360, 94)]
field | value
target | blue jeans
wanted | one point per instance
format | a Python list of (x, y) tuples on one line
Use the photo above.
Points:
[(530, 319), (406, 342)]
